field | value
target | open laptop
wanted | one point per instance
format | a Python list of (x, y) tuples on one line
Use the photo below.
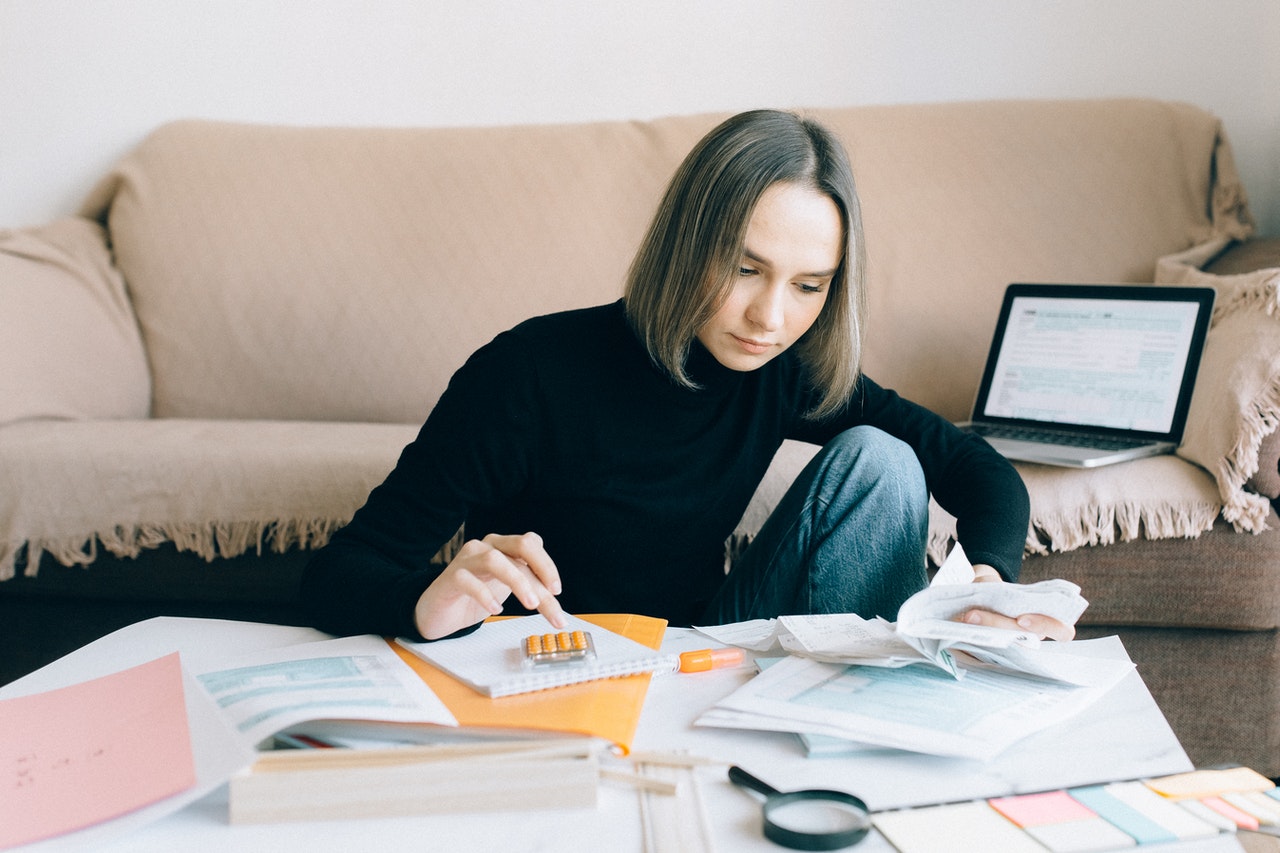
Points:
[(1086, 375)]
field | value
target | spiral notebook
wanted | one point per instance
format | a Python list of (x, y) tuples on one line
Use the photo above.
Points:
[(490, 660)]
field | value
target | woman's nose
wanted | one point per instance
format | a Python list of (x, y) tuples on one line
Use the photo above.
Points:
[(766, 309)]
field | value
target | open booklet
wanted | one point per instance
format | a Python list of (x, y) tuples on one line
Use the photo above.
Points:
[(926, 630), (351, 679)]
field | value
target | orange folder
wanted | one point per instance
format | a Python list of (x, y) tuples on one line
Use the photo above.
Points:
[(608, 708)]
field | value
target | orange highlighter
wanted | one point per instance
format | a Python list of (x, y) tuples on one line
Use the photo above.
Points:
[(705, 659)]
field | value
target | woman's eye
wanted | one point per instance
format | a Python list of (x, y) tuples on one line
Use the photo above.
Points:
[(809, 288), (745, 271)]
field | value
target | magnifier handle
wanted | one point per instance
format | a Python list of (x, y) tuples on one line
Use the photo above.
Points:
[(738, 776)]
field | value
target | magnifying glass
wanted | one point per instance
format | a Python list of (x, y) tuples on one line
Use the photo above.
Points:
[(813, 819)]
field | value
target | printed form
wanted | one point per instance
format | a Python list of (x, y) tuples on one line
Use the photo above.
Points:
[(352, 678)]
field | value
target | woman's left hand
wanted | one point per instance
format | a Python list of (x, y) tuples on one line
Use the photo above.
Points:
[(1045, 627)]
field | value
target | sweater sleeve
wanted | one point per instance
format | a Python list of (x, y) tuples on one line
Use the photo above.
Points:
[(475, 448)]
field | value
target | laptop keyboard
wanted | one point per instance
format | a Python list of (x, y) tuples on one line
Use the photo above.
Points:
[(1052, 436)]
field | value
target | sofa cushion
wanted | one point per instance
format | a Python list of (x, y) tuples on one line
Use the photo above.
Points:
[(69, 343), (344, 274), (217, 488), (1236, 404)]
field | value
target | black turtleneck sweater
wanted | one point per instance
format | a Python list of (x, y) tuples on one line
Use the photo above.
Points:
[(563, 426)]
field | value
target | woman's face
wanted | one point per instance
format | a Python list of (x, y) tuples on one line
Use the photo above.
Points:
[(794, 245)]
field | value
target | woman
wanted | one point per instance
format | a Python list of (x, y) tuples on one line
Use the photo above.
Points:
[(601, 457)]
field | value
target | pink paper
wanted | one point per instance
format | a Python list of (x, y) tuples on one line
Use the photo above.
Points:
[(73, 757), (1038, 809)]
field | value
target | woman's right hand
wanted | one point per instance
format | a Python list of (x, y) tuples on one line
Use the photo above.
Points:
[(484, 572)]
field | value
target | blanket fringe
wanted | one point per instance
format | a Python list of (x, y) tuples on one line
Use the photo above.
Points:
[(211, 541), (1093, 526), (1106, 525), (939, 544), (1262, 295)]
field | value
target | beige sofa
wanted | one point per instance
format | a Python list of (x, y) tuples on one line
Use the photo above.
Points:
[(209, 368)]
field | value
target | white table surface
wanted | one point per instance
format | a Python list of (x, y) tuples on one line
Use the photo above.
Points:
[(1123, 736)]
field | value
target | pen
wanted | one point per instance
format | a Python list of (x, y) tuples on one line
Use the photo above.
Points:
[(705, 659)]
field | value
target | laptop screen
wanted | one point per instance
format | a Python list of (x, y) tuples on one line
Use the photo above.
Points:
[(1115, 357)]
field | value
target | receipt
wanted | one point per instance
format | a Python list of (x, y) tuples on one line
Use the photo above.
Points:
[(931, 612)]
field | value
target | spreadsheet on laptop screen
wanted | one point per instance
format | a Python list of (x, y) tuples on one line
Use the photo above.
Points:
[(1093, 362)]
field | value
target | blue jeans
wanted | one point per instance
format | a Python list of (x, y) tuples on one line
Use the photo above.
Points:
[(849, 536)]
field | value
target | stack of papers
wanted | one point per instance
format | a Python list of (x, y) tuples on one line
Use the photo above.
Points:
[(972, 692)]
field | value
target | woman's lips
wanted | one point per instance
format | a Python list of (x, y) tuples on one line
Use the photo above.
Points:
[(752, 346)]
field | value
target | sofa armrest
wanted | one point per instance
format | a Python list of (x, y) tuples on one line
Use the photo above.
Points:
[(71, 348)]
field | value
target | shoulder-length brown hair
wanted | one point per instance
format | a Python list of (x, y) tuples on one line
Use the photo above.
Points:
[(688, 262)]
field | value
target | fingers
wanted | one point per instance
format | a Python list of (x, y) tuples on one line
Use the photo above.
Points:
[(521, 565), (1044, 627), (527, 550), (986, 574), (481, 576)]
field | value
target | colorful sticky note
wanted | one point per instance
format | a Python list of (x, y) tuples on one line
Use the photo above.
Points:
[(1209, 815), (1091, 835), (79, 755), (1198, 784), (1180, 822), (1264, 808), (962, 826), (1242, 819), (1121, 814), (1061, 823), (1036, 809)]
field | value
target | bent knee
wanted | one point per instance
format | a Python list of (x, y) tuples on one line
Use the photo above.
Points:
[(877, 445), (875, 452)]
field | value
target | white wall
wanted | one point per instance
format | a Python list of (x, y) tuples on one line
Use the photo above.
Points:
[(81, 81)]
